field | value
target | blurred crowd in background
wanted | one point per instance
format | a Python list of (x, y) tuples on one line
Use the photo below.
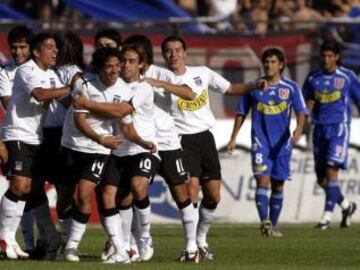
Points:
[(241, 16)]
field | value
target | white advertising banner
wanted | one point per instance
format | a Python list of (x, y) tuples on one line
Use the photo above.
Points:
[(303, 198)]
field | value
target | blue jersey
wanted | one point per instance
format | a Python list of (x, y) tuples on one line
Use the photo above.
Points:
[(271, 112), (332, 94)]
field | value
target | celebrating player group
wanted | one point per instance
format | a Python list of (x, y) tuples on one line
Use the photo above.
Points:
[(109, 127)]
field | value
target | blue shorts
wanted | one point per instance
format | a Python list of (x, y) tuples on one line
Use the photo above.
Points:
[(331, 146), (266, 163)]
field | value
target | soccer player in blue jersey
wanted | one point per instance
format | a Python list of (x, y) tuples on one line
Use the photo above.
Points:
[(328, 92), (271, 137)]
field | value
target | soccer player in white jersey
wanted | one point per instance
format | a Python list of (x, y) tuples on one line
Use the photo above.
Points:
[(69, 66), (171, 165), (131, 167), (88, 139), (19, 43), (34, 86), (193, 119)]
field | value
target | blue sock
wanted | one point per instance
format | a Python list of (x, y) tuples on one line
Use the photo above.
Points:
[(276, 203), (262, 202), (333, 194)]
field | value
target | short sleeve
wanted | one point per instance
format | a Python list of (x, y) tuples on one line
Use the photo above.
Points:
[(298, 99), (79, 87), (5, 84), (244, 104), (29, 78), (142, 96), (217, 82)]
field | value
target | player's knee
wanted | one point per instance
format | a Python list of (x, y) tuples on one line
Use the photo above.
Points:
[(321, 182), (21, 188), (211, 201), (108, 197)]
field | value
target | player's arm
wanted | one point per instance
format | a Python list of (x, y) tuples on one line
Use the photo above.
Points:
[(244, 88), (46, 94), (300, 123), (5, 88), (182, 91), (105, 109), (3, 153), (242, 109), (239, 120), (5, 101), (108, 141), (130, 133)]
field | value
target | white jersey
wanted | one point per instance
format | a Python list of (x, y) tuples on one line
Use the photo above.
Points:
[(93, 88), (143, 119), (7, 75), (195, 116), (166, 135), (55, 115), (23, 120)]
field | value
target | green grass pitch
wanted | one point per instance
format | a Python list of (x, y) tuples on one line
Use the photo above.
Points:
[(236, 246)]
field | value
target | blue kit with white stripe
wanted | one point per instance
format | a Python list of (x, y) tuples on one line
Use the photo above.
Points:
[(331, 115), (270, 133)]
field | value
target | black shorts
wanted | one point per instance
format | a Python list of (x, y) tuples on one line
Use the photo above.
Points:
[(78, 165), (120, 170), (50, 156), (23, 159), (201, 156), (171, 167)]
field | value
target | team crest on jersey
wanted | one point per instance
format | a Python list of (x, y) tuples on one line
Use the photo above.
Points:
[(117, 99), (339, 83), (52, 83), (198, 81), (284, 93)]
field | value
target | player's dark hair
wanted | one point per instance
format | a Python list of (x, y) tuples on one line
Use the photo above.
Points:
[(37, 41), (100, 56), (145, 42), (331, 45), (110, 33), (20, 33), (70, 49), (172, 39), (274, 52)]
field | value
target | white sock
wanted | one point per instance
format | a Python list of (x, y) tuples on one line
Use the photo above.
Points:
[(27, 227), (11, 213), (206, 217), (64, 227), (345, 204), (76, 232), (327, 216), (113, 228), (126, 221), (144, 216), (188, 216), (44, 222)]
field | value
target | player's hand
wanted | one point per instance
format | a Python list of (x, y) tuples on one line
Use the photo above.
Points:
[(150, 146), (3, 154), (74, 79), (111, 142), (310, 104), (153, 82), (80, 100), (296, 135), (262, 84), (231, 146)]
